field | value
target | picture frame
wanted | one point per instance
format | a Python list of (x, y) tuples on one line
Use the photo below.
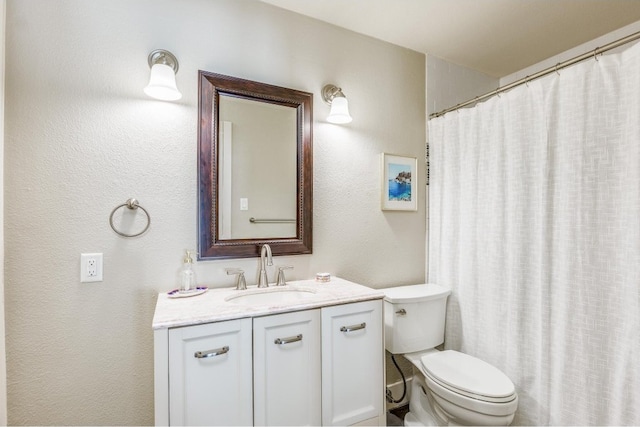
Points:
[(399, 190)]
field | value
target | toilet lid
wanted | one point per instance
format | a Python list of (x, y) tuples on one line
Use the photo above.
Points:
[(468, 374)]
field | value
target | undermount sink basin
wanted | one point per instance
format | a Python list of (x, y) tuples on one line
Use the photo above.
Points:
[(271, 296)]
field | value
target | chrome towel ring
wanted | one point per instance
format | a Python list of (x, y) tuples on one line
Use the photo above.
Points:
[(133, 205)]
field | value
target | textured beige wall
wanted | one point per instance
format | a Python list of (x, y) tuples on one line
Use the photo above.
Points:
[(81, 138), (3, 377)]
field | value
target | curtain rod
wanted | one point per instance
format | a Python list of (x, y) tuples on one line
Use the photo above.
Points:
[(558, 66)]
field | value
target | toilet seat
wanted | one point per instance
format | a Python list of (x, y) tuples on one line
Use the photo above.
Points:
[(465, 375)]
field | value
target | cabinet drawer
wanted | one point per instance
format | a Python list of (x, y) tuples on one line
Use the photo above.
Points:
[(210, 379)]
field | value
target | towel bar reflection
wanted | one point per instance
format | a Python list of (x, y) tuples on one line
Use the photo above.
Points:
[(266, 220), (133, 205)]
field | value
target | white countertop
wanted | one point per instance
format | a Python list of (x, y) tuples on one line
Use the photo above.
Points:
[(213, 307)]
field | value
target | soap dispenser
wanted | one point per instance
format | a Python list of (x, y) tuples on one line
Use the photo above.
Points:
[(187, 275)]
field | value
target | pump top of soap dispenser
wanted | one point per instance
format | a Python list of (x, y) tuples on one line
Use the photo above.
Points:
[(187, 258)]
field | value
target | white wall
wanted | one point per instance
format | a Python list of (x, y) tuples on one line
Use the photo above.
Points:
[(450, 84), (3, 370), (81, 138)]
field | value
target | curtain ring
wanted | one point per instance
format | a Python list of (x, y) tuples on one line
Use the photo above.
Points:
[(526, 81), (557, 68), (595, 53), (498, 92)]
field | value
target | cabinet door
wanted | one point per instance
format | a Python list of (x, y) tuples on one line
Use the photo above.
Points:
[(210, 374), (352, 363), (286, 366)]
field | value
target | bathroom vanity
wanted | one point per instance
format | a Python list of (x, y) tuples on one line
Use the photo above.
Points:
[(307, 353)]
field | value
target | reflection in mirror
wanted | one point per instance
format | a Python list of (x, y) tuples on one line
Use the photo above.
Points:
[(255, 168), (257, 175)]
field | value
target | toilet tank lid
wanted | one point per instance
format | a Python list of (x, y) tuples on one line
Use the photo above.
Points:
[(414, 293)]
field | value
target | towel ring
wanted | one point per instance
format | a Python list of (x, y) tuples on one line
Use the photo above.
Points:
[(130, 204)]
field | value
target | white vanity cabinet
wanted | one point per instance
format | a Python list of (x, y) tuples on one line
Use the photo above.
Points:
[(286, 369), (309, 363), (352, 364), (210, 374)]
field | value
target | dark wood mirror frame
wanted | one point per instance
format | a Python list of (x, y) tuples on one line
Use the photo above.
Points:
[(210, 87)]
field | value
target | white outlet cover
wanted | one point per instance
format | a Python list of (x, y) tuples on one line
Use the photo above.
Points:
[(91, 267)]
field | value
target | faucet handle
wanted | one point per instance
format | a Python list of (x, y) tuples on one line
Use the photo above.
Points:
[(281, 281), (241, 283)]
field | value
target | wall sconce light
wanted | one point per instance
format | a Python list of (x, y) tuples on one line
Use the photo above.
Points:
[(162, 82), (339, 113)]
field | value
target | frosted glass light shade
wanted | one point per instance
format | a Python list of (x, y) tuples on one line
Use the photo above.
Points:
[(162, 83), (339, 113)]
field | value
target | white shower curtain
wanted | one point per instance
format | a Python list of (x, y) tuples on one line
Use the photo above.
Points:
[(534, 223)]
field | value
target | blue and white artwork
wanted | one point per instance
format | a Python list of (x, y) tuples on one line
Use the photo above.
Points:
[(399, 179), (399, 182)]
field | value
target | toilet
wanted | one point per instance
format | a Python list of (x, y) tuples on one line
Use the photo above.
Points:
[(448, 387)]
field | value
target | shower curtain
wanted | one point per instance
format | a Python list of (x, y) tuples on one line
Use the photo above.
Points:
[(534, 223)]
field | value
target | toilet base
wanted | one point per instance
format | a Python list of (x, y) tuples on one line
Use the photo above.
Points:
[(411, 420), (421, 412)]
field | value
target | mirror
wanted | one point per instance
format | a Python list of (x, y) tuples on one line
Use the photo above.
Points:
[(255, 168), (256, 181)]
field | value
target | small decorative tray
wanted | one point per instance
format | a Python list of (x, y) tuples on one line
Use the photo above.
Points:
[(191, 293)]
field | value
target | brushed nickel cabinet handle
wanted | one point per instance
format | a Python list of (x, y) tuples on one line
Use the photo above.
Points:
[(353, 327), (288, 340), (211, 353)]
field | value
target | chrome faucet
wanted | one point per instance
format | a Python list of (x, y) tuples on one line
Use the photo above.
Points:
[(265, 251)]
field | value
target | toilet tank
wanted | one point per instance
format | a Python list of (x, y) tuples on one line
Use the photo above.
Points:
[(414, 317)]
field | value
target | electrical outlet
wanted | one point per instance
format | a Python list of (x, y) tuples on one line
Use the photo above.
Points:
[(90, 267)]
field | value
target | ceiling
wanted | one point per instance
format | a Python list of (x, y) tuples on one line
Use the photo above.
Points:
[(496, 37)]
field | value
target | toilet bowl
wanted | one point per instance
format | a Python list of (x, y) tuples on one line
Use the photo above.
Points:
[(448, 387), (461, 389)]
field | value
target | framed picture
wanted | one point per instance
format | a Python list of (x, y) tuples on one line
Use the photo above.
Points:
[(399, 180)]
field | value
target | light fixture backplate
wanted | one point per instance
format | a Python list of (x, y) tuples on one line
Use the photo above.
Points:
[(161, 56), (329, 92)]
